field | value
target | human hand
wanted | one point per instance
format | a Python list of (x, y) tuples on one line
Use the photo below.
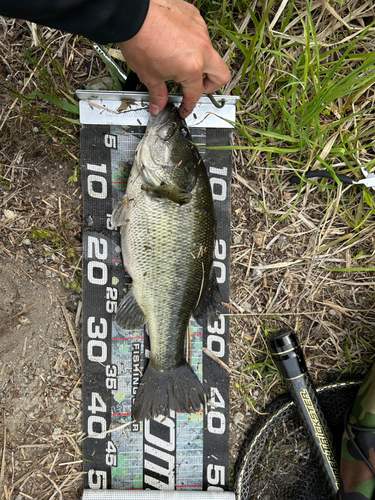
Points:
[(173, 44)]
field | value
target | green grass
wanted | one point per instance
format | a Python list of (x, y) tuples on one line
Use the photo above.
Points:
[(257, 370), (310, 91), (306, 102), (51, 105)]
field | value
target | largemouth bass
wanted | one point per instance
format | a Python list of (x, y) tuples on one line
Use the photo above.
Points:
[(167, 237)]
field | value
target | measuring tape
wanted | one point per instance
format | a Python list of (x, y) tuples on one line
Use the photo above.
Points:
[(157, 495), (181, 451)]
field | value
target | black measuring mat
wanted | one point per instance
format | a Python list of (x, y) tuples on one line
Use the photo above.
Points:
[(180, 451)]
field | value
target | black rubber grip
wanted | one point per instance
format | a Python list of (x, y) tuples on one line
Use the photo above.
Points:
[(322, 174)]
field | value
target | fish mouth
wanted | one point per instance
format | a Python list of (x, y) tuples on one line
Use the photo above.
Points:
[(168, 113), (159, 128)]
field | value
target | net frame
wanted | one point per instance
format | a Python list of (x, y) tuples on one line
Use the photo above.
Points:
[(277, 462)]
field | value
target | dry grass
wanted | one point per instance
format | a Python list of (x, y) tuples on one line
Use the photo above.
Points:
[(285, 241), (289, 244), (40, 250)]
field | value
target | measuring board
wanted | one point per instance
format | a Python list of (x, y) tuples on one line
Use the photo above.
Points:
[(180, 451)]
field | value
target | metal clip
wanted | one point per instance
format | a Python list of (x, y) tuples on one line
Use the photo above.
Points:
[(369, 179), (215, 102)]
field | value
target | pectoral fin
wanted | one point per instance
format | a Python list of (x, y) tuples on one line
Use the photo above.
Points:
[(130, 315), (172, 193), (119, 212)]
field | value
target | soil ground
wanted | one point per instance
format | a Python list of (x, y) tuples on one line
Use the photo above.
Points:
[(40, 394), (40, 219)]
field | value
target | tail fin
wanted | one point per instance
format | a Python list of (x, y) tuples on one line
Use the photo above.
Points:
[(159, 392)]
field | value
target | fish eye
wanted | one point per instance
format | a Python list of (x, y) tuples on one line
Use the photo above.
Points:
[(184, 132)]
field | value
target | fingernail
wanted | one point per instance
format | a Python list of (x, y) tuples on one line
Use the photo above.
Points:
[(154, 110)]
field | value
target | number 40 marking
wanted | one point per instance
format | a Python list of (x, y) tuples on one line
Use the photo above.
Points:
[(97, 404)]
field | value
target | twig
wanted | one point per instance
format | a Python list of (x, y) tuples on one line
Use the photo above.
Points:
[(215, 358), (71, 330), (2, 473)]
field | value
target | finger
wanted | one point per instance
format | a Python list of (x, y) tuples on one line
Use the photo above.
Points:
[(210, 83), (189, 102), (210, 87), (216, 76), (192, 93), (158, 96)]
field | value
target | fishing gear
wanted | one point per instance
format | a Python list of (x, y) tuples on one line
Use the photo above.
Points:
[(368, 181), (288, 357), (111, 64), (217, 104), (277, 461)]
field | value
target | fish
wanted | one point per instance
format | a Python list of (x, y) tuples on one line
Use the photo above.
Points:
[(167, 226)]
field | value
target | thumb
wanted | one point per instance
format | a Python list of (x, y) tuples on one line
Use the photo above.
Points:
[(158, 97)]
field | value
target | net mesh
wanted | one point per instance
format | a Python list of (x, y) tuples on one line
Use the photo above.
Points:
[(277, 462)]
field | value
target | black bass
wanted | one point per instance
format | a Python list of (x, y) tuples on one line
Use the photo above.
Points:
[(167, 236)]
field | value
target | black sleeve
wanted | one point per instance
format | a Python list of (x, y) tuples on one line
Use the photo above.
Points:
[(103, 21)]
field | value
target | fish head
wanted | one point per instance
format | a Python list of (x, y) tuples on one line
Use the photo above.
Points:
[(166, 154)]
